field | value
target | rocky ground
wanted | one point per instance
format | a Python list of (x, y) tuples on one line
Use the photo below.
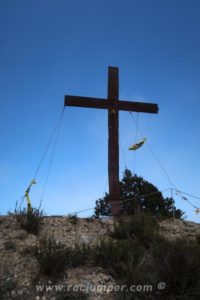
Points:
[(19, 269)]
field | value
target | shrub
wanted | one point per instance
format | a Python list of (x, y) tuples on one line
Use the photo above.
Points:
[(120, 257), (137, 254), (140, 226), (78, 256), (73, 219), (10, 245), (123, 253), (54, 256), (29, 220), (178, 264), (51, 256), (7, 284)]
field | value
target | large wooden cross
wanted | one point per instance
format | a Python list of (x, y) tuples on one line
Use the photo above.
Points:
[(113, 105)]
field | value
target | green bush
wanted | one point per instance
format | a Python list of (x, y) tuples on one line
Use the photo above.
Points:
[(120, 257), (29, 220), (123, 253), (54, 256), (73, 219), (136, 254), (79, 255), (178, 264), (51, 256), (140, 226)]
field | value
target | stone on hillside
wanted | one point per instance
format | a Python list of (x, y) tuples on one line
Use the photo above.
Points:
[(18, 234), (28, 245)]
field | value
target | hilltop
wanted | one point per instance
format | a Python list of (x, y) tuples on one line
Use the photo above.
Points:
[(20, 270)]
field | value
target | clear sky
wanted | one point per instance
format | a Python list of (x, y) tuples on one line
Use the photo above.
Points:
[(52, 48)]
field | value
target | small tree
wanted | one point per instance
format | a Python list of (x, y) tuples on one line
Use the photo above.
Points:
[(137, 193), (102, 207)]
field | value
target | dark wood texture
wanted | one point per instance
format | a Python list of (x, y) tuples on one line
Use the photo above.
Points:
[(89, 102), (113, 140)]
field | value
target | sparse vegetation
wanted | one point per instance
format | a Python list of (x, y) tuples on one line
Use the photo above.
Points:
[(78, 256), (29, 220), (140, 226), (121, 254), (133, 252), (51, 256), (73, 219), (7, 284), (54, 256), (120, 257), (137, 254), (10, 245), (178, 264)]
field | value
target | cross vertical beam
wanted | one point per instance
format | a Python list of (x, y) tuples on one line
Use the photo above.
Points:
[(113, 140)]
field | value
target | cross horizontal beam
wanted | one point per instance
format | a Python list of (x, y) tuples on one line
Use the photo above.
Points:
[(89, 102)]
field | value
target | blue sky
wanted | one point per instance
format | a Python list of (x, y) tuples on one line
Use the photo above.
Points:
[(52, 48)]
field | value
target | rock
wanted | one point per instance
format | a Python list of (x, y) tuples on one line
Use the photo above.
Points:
[(173, 229), (85, 239), (28, 245), (18, 234)]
